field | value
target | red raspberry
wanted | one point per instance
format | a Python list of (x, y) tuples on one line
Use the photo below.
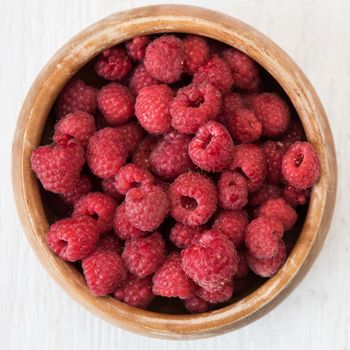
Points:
[(211, 148), (146, 207), (143, 256), (169, 158), (113, 64), (278, 208), (136, 47), (262, 237), (109, 188), (76, 96), (110, 243), (141, 155), (196, 305), (106, 153), (171, 281), (96, 204), (250, 159), (243, 268), (301, 165), (131, 176), (245, 71), (135, 291), (267, 191), (268, 267), (78, 125), (193, 199), (215, 297), (215, 71), (73, 239), (273, 152), (233, 190), (83, 187), (211, 262), (294, 196), (294, 133), (231, 102), (131, 134), (152, 108), (193, 106), (232, 224), (164, 58), (58, 166), (103, 271), (116, 102), (183, 236), (244, 126), (123, 227), (273, 113), (140, 79), (196, 52)]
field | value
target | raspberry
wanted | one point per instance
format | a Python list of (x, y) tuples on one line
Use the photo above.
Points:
[(131, 176), (273, 152), (244, 126), (123, 227), (294, 133), (301, 165), (211, 148), (196, 52), (231, 102), (96, 204), (267, 191), (78, 125), (140, 79), (58, 166), (243, 268), (294, 196), (141, 155), (136, 47), (109, 188), (171, 281), (146, 207), (183, 236), (103, 271), (73, 239), (131, 134), (152, 108), (215, 71), (169, 158), (193, 199), (196, 305), (143, 256), (109, 243), (135, 291), (83, 187), (262, 237), (232, 224), (268, 267), (245, 71), (113, 64), (249, 158), (116, 102), (193, 106), (215, 297), (106, 153), (164, 58), (211, 262), (278, 208), (233, 190), (76, 96), (273, 113)]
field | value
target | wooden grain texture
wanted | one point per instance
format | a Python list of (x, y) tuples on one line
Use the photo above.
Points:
[(36, 298)]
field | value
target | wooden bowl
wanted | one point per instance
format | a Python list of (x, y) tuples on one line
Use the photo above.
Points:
[(159, 19)]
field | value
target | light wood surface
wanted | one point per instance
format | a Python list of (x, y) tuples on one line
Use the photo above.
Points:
[(85, 320)]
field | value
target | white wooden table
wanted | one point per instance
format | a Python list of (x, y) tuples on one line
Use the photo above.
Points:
[(36, 314)]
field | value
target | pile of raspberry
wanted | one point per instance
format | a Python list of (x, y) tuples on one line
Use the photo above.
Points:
[(179, 176)]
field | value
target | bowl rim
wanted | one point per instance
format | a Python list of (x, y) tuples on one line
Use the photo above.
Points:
[(185, 19)]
